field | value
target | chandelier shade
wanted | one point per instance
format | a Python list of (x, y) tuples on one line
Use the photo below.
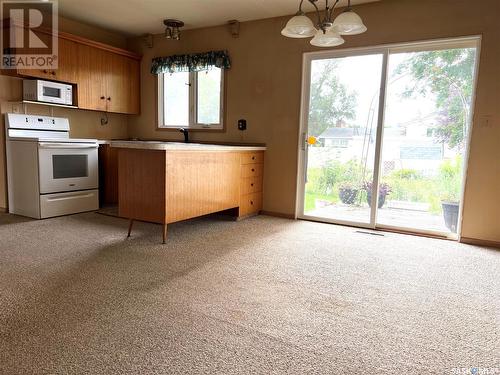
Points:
[(299, 26), (349, 23), (330, 38)]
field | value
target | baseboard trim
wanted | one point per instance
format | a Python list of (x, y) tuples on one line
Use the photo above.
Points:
[(278, 214), (478, 242)]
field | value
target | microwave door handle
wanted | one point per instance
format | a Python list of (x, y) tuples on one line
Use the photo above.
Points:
[(67, 146)]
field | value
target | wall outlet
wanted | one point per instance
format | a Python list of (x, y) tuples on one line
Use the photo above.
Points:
[(242, 124), (16, 108)]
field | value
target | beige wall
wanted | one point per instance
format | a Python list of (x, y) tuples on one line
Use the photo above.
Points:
[(84, 124), (264, 87)]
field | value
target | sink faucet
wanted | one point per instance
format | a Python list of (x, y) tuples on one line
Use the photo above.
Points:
[(186, 134)]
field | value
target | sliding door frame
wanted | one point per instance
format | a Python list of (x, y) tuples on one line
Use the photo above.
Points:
[(385, 50)]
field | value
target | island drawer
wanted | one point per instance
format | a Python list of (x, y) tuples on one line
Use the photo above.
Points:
[(256, 157), (251, 170), (251, 185), (250, 204)]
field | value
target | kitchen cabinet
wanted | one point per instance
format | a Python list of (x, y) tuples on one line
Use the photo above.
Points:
[(105, 78), (107, 81), (166, 183), (91, 89), (251, 183), (67, 65)]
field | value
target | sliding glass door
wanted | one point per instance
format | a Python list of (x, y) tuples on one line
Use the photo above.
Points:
[(385, 134), (342, 122)]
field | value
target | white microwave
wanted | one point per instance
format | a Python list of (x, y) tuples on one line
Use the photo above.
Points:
[(47, 91)]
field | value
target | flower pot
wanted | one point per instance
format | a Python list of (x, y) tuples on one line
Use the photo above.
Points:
[(348, 195), (450, 214), (381, 199)]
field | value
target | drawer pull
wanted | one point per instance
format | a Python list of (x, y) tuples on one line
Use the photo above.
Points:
[(253, 170), (251, 185), (253, 157), (251, 202)]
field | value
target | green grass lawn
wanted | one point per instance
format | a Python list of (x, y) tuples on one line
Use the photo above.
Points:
[(310, 199)]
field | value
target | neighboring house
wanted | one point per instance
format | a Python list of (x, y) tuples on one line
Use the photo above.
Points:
[(407, 146)]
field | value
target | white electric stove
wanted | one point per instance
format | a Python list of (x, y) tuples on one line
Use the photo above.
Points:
[(49, 174)]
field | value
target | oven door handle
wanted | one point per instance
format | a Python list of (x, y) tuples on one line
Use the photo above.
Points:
[(67, 146)]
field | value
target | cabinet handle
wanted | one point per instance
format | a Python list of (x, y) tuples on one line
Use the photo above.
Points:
[(109, 98), (102, 97), (253, 170), (251, 202), (253, 157), (53, 73), (45, 71), (251, 185)]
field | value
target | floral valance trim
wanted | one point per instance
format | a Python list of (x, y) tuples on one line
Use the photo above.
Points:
[(191, 63)]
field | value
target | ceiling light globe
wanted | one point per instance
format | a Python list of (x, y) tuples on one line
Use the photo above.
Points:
[(349, 23), (299, 26), (329, 39)]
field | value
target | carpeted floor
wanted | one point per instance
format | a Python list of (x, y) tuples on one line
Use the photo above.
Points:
[(261, 296)]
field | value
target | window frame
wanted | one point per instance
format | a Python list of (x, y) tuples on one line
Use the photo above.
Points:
[(193, 105)]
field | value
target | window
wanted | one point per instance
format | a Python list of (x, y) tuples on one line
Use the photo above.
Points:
[(340, 143), (191, 100)]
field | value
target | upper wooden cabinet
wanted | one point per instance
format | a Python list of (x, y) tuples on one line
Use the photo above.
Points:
[(106, 78), (107, 81), (67, 70)]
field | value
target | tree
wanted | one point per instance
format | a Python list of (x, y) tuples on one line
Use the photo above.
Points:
[(330, 101), (448, 74)]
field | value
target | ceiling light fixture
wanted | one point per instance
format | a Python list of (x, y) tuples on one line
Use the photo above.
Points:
[(172, 30), (330, 31)]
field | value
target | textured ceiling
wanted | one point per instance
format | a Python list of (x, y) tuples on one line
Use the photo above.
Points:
[(136, 17)]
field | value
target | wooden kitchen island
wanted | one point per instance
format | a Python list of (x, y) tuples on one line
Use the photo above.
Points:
[(166, 182)]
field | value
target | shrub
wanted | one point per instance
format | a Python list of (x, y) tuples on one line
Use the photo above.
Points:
[(450, 179)]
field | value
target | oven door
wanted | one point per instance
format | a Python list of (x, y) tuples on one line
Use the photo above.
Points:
[(67, 167)]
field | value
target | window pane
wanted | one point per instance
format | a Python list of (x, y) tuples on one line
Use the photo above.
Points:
[(209, 91), (176, 99)]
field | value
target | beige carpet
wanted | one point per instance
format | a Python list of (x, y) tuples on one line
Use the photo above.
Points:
[(262, 296)]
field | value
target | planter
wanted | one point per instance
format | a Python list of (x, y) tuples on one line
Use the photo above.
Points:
[(450, 214), (348, 195), (381, 199)]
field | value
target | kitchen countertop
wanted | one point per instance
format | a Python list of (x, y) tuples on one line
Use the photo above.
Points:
[(180, 146)]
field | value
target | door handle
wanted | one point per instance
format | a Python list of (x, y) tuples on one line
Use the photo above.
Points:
[(70, 146)]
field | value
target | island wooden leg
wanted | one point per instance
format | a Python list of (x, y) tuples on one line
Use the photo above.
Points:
[(164, 233), (131, 222)]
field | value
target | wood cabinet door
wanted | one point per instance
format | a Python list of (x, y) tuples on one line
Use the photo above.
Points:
[(117, 83), (122, 84), (38, 73), (91, 78), (67, 70)]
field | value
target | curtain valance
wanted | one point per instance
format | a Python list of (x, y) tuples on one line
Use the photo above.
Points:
[(191, 63)]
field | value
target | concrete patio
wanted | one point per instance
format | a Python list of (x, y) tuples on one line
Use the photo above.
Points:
[(397, 217)]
